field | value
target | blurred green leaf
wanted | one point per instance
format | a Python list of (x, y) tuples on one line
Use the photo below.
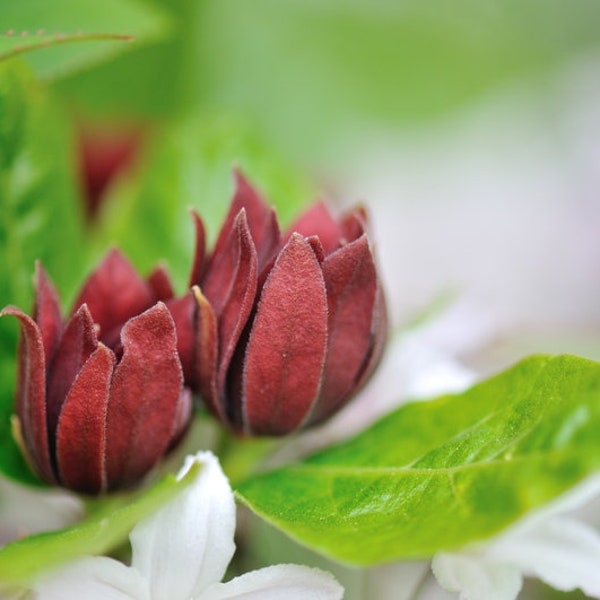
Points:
[(46, 26), (191, 164), (102, 531), (315, 75), (39, 218), (438, 475)]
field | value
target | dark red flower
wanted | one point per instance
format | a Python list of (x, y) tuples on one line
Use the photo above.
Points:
[(282, 329), (100, 396), (104, 154)]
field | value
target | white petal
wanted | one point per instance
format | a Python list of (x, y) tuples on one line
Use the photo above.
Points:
[(97, 578), (289, 582), (563, 552), (396, 581), (187, 544), (476, 578)]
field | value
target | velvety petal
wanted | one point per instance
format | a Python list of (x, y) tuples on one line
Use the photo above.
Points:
[(262, 223), (207, 353), (114, 293), (187, 544), (76, 346), (286, 349), (93, 578), (231, 259), (317, 220), (379, 339), (81, 431), (30, 404), (239, 301), (183, 310), (354, 224), (475, 578), (292, 582), (160, 285), (196, 327), (351, 281), (144, 395), (47, 311), (200, 250)]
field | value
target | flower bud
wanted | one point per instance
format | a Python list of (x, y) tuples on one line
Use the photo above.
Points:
[(100, 396), (283, 329)]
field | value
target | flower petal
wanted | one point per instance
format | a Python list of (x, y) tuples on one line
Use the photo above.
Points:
[(262, 222), (351, 281), (187, 544), (114, 293), (81, 431), (200, 250), (234, 309), (160, 285), (354, 224), (563, 552), (93, 578), (475, 578), (47, 311), (75, 347), (292, 582), (317, 220), (30, 404), (144, 396), (286, 348)]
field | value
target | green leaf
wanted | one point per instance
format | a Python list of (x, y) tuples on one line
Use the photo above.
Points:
[(315, 73), (191, 165), (102, 531), (39, 219), (48, 28), (437, 475)]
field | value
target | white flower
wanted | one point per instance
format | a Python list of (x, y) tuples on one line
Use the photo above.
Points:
[(562, 551), (181, 552)]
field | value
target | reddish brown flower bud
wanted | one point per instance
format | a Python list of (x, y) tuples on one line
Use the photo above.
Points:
[(289, 326), (100, 396)]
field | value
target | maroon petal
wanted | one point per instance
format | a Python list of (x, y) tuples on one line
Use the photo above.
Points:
[(200, 251), (31, 394), (354, 224), (81, 431), (75, 347), (47, 311), (144, 396), (183, 310), (114, 293), (379, 336), (240, 300), (262, 222), (286, 349), (317, 220), (207, 353), (159, 283), (351, 281)]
